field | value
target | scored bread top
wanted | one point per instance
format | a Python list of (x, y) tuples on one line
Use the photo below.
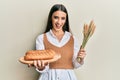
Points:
[(39, 54)]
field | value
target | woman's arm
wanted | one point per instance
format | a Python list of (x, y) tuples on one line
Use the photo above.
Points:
[(39, 64), (77, 52)]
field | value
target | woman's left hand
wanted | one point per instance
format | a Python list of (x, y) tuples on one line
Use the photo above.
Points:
[(81, 55)]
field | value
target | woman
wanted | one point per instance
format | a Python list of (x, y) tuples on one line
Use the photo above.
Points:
[(58, 37)]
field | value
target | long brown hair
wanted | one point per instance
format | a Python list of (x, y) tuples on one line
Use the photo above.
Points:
[(57, 7)]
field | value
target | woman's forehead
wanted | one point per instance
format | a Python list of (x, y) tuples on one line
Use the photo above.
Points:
[(59, 13)]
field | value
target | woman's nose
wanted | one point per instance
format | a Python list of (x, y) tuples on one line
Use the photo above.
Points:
[(59, 21)]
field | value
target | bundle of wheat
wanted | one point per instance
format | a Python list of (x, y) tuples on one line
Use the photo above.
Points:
[(88, 31)]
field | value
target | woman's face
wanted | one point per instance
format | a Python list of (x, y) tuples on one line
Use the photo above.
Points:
[(58, 20)]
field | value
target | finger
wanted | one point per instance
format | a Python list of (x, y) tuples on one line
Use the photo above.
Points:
[(82, 56), (39, 63), (81, 53), (82, 50), (43, 64), (35, 63), (29, 65), (46, 63)]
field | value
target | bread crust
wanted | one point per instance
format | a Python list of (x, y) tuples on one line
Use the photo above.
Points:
[(39, 54)]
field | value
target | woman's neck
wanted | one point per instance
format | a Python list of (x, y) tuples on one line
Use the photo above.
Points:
[(58, 34)]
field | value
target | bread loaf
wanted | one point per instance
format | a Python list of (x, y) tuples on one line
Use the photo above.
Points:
[(39, 54)]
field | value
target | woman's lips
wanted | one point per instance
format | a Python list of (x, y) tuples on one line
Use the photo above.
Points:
[(58, 26)]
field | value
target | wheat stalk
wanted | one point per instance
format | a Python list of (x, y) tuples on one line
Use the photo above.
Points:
[(88, 31)]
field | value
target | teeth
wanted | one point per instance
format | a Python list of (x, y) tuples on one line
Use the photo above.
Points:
[(57, 25)]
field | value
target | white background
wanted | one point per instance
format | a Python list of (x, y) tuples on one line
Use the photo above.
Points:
[(21, 21)]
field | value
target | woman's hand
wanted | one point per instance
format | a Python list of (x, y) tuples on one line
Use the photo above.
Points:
[(39, 64), (81, 56)]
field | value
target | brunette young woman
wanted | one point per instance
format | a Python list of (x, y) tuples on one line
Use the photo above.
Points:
[(58, 37)]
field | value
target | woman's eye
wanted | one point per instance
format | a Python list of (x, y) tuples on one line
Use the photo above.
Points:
[(63, 18), (55, 17)]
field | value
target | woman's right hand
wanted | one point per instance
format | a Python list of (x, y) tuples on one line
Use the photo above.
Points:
[(39, 64)]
